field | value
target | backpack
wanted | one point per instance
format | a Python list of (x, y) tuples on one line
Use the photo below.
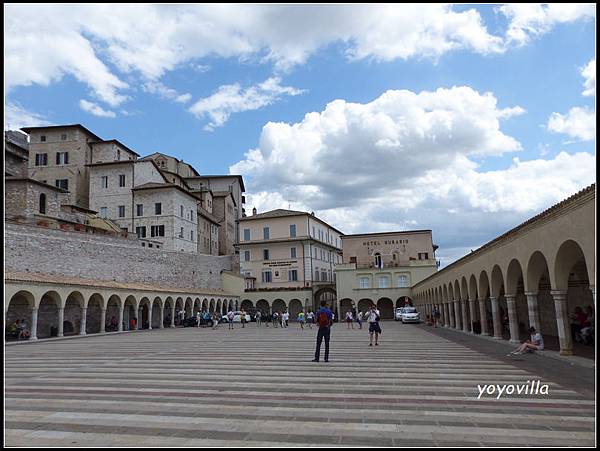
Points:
[(323, 320)]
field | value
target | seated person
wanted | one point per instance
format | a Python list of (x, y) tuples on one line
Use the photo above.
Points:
[(535, 344), (12, 329)]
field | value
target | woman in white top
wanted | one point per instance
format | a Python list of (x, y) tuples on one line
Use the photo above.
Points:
[(535, 344), (349, 319), (373, 316)]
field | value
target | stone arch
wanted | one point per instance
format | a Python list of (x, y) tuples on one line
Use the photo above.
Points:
[(386, 308), (130, 312), (345, 305), (295, 308), (93, 318), (497, 283), (219, 306), (204, 306), (20, 307), (113, 313), (537, 267), (247, 305), (189, 307), (365, 304), (197, 306), (451, 291), (74, 304), (473, 294), (42, 204), (48, 316), (168, 311), (263, 306), (157, 309), (568, 255), (514, 277), (484, 285), (445, 293), (144, 313), (211, 306), (279, 305), (457, 293)]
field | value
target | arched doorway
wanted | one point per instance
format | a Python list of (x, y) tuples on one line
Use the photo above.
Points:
[(247, 305), (295, 308), (279, 305), (130, 313), (113, 312), (386, 308), (19, 308), (93, 321), (72, 314), (47, 320), (156, 313), (365, 304), (263, 306), (144, 315), (345, 306)]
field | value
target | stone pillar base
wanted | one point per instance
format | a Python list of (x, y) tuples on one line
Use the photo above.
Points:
[(566, 352)]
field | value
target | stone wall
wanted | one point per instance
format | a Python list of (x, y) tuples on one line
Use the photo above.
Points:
[(72, 254)]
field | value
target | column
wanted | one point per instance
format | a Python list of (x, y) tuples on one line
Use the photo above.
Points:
[(532, 308), (463, 305), (150, 308), (34, 321), (483, 317), (496, 318), (447, 312), (162, 317), (562, 322), (61, 320), (452, 315), (457, 315), (472, 313), (138, 325), (103, 321), (173, 316), (83, 326), (513, 321), (121, 319)]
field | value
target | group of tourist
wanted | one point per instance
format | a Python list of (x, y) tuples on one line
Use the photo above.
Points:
[(19, 330), (582, 325)]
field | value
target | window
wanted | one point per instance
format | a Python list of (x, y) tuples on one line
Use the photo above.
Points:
[(63, 184), (121, 211), (246, 234), (139, 209), (118, 154), (181, 232), (293, 230), (191, 215), (121, 180), (63, 137), (293, 275), (157, 208), (104, 181), (181, 211), (246, 256), (402, 281), (43, 138), (103, 212), (352, 259), (43, 203), (378, 260), (313, 234), (266, 276), (265, 254), (364, 282), (157, 230), (41, 159), (265, 233), (141, 231), (317, 275), (191, 235), (384, 282), (293, 252), (323, 276), (424, 256), (62, 158)]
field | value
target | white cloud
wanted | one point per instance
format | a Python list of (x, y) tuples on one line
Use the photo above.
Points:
[(95, 109), (529, 20), (589, 73), (156, 87), (231, 99), (16, 117), (403, 161), (578, 123)]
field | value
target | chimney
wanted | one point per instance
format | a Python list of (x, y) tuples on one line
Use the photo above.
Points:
[(254, 211), (312, 213)]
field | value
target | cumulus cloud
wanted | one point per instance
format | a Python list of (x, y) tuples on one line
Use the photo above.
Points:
[(156, 87), (529, 20), (95, 109), (231, 99), (16, 117), (589, 73), (578, 123), (406, 161)]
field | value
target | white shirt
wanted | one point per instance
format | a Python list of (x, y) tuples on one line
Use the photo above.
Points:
[(373, 314), (538, 341), (360, 316), (286, 316)]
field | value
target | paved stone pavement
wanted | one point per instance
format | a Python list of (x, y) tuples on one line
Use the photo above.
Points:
[(258, 387)]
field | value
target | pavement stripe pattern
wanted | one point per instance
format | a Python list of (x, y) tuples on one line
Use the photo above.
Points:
[(258, 387)]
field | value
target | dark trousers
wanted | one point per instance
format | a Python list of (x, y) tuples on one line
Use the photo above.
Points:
[(324, 332)]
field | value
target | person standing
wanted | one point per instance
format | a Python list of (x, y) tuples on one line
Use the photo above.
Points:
[(275, 319), (324, 321), (230, 316), (349, 319), (243, 318), (374, 328), (198, 318), (310, 318), (286, 318), (436, 316)]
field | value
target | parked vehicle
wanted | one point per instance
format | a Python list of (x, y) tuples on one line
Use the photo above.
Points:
[(410, 315), (237, 318), (193, 322), (398, 314)]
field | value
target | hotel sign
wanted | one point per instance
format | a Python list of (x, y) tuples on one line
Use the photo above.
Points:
[(378, 243), (282, 263)]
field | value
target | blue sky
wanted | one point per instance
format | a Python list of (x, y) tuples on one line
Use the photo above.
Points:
[(434, 148)]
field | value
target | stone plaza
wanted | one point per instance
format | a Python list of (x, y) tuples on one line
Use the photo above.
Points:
[(258, 387)]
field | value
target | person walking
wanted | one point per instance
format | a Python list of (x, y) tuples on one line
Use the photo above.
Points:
[(258, 318), (301, 320), (198, 318), (324, 321), (275, 319), (310, 318), (215, 319), (243, 318), (286, 318), (359, 318), (436, 316), (349, 319), (374, 328)]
